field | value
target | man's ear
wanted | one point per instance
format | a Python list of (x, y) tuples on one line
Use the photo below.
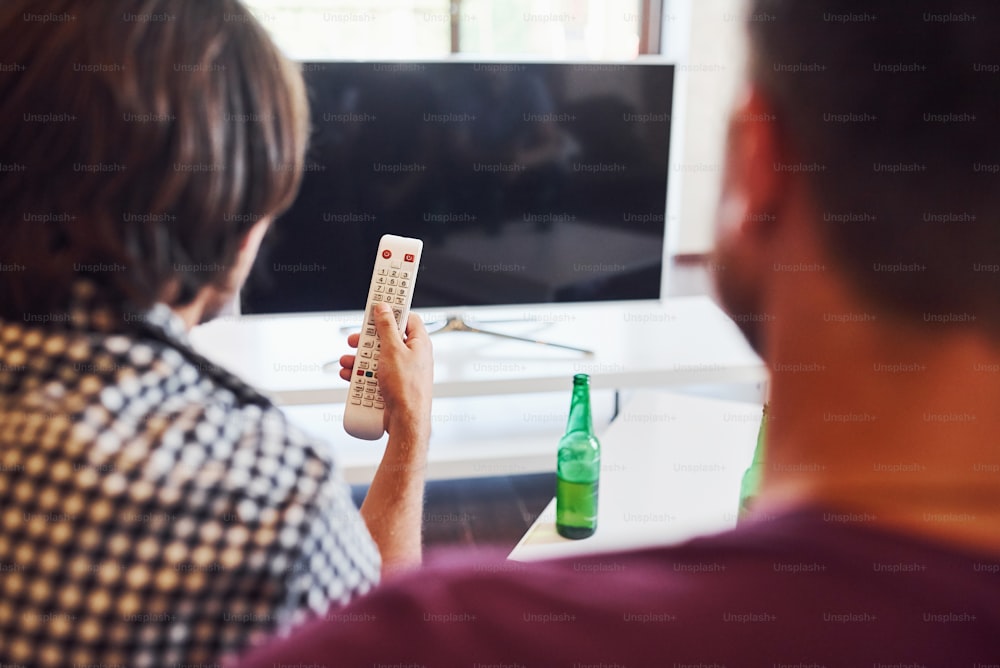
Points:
[(755, 173), (255, 235), (249, 245), (749, 214)]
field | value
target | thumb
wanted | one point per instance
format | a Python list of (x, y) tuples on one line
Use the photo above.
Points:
[(386, 326)]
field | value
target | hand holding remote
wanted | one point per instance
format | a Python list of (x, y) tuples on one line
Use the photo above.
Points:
[(372, 401), (406, 371)]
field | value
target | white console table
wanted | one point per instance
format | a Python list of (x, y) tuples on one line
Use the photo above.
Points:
[(681, 341), (671, 467)]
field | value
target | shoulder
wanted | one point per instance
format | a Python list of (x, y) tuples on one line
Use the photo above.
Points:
[(806, 591), (201, 421), (463, 609)]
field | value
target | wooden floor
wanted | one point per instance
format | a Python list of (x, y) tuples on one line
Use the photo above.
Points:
[(481, 513), (493, 513)]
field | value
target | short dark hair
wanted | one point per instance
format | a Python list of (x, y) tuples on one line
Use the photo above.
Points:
[(892, 111), (142, 140)]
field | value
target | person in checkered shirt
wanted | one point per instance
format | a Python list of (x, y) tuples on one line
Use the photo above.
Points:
[(155, 509)]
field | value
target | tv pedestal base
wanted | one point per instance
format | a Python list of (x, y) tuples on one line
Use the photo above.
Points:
[(456, 323)]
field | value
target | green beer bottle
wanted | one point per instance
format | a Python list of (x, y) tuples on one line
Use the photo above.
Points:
[(579, 467), (751, 477)]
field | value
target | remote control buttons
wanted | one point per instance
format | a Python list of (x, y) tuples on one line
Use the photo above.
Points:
[(392, 283)]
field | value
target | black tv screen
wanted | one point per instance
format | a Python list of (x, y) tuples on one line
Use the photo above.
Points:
[(529, 183)]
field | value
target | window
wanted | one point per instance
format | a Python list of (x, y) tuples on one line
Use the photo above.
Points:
[(357, 29), (433, 29), (560, 29)]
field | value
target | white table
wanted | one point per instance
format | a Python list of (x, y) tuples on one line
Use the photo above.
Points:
[(671, 469), (679, 341), (477, 432)]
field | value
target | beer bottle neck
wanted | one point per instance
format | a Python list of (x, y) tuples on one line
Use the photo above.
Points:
[(579, 411)]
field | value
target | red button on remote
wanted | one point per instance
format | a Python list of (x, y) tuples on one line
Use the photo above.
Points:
[(408, 257), (387, 253)]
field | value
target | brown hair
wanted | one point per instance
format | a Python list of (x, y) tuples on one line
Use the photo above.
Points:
[(892, 113), (143, 140)]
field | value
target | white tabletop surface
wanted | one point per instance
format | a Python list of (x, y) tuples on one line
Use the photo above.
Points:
[(683, 340), (671, 470)]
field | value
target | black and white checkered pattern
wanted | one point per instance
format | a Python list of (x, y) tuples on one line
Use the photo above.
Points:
[(154, 509)]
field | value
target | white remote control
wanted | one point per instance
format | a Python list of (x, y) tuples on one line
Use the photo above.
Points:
[(392, 282)]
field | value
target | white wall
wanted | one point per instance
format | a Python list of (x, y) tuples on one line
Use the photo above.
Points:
[(706, 39)]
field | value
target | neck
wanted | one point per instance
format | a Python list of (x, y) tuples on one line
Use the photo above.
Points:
[(207, 304), (192, 314), (899, 426)]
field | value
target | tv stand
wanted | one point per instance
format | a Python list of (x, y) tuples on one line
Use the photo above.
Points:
[(456, 323)]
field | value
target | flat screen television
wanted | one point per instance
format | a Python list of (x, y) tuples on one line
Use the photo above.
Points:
[(529, 183)]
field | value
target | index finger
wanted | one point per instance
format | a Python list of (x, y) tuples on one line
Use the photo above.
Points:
[(415, 327)]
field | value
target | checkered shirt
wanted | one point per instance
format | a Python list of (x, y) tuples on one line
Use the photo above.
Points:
[(154, 509)]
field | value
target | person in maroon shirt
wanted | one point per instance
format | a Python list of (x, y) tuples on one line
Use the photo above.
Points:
[(858, 247)]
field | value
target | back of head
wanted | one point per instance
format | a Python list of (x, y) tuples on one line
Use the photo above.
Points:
[(892, 110), (143, 138)]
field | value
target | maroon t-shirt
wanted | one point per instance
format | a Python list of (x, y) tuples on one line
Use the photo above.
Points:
[(806, 589)]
